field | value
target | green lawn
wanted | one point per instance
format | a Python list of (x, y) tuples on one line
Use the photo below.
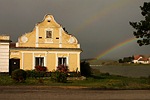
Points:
[(98, 81)]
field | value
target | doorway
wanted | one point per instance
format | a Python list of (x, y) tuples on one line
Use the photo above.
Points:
[(13, 65)]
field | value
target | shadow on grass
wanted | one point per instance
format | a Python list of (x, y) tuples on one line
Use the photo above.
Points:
[(100, 75)]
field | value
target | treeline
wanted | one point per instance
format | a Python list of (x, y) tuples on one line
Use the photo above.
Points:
[(126, 60)]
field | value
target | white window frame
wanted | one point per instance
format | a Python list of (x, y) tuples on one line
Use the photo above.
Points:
[(39, 57), (48, 36), (62, 57), (49, 40)]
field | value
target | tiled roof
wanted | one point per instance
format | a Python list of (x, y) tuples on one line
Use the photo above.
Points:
[(12, 45), (136, 57), (143, 57)]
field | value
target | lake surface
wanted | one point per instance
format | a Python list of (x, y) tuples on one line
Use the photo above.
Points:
[(130, 71)]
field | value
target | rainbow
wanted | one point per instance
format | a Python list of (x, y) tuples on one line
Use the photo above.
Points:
[(104, 53), (102, 13)]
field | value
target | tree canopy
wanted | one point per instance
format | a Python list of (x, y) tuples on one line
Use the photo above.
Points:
[(142, 28)]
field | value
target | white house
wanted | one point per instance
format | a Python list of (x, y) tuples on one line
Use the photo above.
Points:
[(4, 53), (141, 59)]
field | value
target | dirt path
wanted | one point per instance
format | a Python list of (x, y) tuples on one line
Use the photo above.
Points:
[(69, 93)]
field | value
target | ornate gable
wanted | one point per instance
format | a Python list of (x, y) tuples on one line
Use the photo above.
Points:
[(48, 34)]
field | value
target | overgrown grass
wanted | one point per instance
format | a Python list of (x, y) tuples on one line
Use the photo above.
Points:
[(96, 81)]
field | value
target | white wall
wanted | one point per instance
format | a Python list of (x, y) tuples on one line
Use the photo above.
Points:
[(4, 57)]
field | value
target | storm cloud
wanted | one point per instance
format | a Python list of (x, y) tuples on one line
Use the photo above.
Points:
[(98, 25)]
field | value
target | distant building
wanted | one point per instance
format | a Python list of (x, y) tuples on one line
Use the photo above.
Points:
[(47, 45), (141, 59), (4, 53)]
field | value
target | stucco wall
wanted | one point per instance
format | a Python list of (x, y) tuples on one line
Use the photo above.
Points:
[(37, 38), (36, 44), (27, 63)]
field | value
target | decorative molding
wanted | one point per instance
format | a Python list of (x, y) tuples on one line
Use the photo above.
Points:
[(24, 39), (60, 37), (17, 44), (78, 61), (4, 43), (22, 54), (43, 52), (33, 59), (56, 60), (37, 36)]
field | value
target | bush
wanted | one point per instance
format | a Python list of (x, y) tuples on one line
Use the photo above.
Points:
[(63, 68), (40, 71), (35, 74), (74, 74), (60, 75), (32, 73), (40, 68), (85, 69), (19, 75), (148, 79)]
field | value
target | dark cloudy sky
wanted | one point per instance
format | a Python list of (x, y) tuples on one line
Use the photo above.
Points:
[(99, 25)]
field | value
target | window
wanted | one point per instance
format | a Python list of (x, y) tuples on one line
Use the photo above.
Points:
[(39, 61), (48, 34), (62, 61)]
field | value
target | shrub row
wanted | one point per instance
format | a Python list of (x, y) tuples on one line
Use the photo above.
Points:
[(36, 74), (60, 75)]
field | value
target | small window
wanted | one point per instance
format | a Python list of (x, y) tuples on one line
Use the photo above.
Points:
[(62, 61), (39, 61), (48, 34), (48, 20)]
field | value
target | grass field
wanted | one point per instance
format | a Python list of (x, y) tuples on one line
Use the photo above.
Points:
[(97, 81)]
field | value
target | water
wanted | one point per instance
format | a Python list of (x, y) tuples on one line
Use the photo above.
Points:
[(129, 71)]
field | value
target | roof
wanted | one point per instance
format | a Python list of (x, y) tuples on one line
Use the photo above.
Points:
[(12, 45), (136, 57), (46, 49), (5, 41), (143, 57)]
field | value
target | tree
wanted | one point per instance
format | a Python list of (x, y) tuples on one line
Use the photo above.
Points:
[(85, 69), (126, 60), (120, 61), (143, 27)]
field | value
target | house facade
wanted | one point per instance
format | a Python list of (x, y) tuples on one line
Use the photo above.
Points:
[(141, 59), (47, 45), (4, 53)]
